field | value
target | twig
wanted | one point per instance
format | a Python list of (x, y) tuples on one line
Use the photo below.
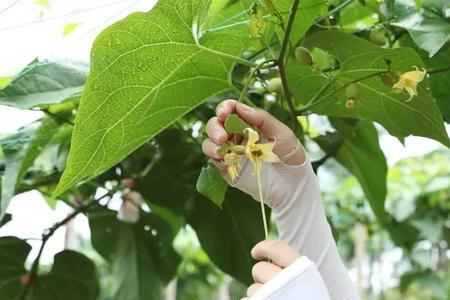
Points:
[(253, 73), (334, 10), (49, 233), (306, 108), (281, 61), (439, 70)]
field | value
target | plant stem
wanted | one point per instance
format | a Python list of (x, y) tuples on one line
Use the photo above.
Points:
[(241, 60), (261, 200), (47, 235), (281, 62), (252, 74), (335, 10), (439, 70), (306, 108)]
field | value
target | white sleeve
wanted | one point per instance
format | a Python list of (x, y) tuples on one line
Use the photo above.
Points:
[(293, 194), (300, 280)]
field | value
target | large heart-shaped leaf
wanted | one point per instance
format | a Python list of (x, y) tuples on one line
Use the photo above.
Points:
[(72, 277), (44, 82), (146, 72), (360, 61)]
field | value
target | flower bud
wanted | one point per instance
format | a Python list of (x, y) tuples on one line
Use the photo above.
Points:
[(275, 86), (130, 209), (377, 37)]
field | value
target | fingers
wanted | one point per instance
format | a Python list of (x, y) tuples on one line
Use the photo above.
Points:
[(253, 289), (210, 149), (225, 108), (278, 252), (267, 124), (216, 132), (264, 271)]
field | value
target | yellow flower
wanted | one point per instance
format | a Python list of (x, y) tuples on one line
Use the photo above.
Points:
[(257, 153), (232, 160), (408, 81)]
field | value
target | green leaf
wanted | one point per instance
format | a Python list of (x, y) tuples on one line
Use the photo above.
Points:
[(147, 71), (44, 82), (211, 184), (4, 81), (308, 12), (239, 224), (5, 219), (356, 17), (13, 252), (361, 154), (20, 150), (377, 101), (234, 124), (70, 27), (172, 179), (71, 270), (439, 81), (141, 254), (428, 26)]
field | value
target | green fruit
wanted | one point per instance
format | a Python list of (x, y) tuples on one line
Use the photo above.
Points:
[(353, 91), (377, 37), (303, 56), (275, 86)]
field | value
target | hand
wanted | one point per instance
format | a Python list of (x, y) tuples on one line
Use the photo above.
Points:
[(267, 125), (280, 254)]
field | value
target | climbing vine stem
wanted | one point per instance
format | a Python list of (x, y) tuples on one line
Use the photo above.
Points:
[(282, 62)]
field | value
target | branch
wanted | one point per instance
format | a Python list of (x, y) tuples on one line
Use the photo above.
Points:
[(49, 233), (306, 108), (253, 73), (281, 62), (335, 10), (439, 70)]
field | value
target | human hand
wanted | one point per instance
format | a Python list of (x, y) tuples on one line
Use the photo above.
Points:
[(267, 125), (280, 255)]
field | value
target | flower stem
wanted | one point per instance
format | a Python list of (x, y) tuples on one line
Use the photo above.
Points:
[(261, 199)]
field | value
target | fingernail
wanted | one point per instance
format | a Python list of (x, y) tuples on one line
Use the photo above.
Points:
[(220, 111), (246, 107)]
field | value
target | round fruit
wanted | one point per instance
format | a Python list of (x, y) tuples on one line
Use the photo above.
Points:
[(275, 86)]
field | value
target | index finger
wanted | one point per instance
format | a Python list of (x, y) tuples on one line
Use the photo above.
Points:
[(278, 252), (225, 108)]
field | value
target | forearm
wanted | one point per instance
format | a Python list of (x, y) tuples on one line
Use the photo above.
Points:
[(294, 195), (301, 222)]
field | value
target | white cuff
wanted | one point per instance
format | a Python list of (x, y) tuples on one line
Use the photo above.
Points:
[(299, 281)]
